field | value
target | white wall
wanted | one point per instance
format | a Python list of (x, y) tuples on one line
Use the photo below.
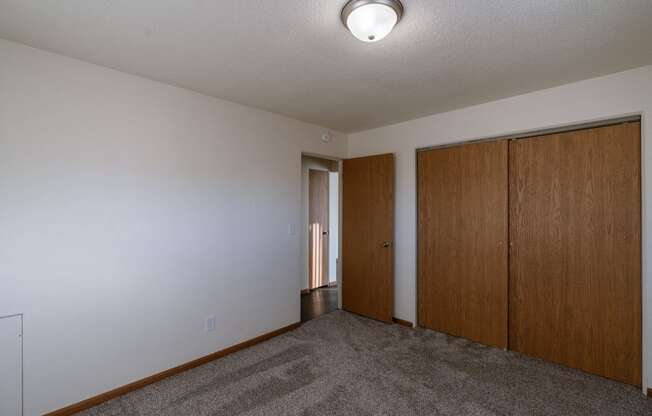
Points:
[(131, 210), (333, 224), (307, 163), (607, 97)]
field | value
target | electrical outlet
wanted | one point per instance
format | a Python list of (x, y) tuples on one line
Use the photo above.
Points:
[(210, 324)]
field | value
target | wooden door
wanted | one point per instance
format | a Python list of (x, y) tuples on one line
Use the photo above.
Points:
[(318, 227), (367, 236), (462, 241), (575, 260)]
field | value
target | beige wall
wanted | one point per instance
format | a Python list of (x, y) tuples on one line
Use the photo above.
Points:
[(130, 211)]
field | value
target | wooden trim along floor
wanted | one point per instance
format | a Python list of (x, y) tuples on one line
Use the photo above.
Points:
[(649, 392), (101, 398), (402, 322)]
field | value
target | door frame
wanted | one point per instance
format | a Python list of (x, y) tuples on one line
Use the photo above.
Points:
[(632, 117), (305, 256)]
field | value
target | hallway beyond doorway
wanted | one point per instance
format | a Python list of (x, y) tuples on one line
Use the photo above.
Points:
[(318, 302)]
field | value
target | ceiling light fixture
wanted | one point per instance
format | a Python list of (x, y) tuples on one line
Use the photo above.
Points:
[(371, 20)]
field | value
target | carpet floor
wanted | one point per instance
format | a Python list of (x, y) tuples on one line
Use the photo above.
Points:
[(342, 364)]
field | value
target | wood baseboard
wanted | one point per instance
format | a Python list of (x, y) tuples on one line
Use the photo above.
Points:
[(649, 392), (127, 388), (305, 291), (402, 322)]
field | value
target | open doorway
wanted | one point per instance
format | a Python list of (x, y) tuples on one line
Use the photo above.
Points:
[(320, 234)]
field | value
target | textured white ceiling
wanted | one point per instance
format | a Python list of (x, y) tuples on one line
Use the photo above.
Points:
[(294, 57)]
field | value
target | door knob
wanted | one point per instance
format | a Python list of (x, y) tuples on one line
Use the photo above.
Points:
[(387, 244)]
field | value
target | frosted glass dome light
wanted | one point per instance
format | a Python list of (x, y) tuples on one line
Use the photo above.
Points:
[(371, 20)]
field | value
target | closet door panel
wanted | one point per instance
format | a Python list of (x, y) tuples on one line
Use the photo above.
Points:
[(462, 241), (575, 259)]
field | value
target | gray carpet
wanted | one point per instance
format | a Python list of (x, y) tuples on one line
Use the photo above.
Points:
[(342, 364)]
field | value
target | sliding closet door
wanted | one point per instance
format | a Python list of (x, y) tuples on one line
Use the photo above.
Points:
[(575, 259), (462, 239)]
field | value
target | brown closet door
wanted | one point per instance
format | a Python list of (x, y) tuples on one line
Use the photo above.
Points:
[(462, 239), (367, 236), (575, 259)]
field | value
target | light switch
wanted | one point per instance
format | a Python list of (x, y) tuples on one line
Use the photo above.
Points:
[(210, 323)]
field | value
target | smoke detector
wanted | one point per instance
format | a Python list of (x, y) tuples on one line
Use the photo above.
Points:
[(326, 137)]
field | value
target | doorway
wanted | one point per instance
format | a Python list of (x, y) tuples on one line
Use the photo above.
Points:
[(355, 249), (320, 226)]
